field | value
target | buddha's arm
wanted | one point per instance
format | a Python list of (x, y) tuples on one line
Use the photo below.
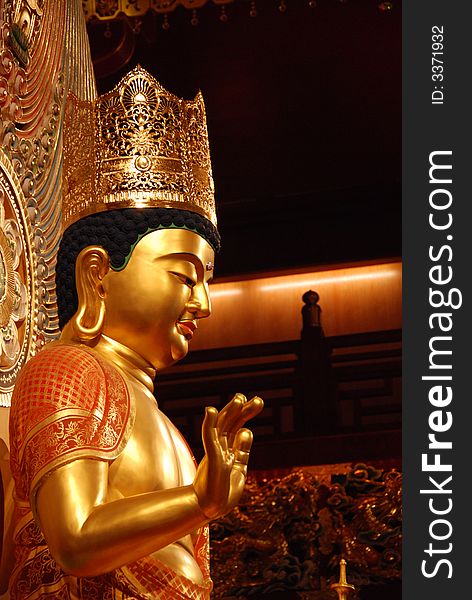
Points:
[(88, 535)]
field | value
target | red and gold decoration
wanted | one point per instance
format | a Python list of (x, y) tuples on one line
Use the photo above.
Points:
[(33, 76), (291, 534), (18, 294), (107, 10), (110, 9)]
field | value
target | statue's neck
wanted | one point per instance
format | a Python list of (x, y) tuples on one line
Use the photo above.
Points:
[(128, 360)]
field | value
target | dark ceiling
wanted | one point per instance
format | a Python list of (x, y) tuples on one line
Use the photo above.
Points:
[(304, 118)]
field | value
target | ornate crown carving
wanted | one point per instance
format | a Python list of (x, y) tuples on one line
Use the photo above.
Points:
[(137, 146)]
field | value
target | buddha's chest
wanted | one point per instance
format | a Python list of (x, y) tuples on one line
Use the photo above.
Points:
[(156, 455)]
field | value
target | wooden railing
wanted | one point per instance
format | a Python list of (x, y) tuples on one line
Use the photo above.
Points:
[(211, 377), (367, 371)]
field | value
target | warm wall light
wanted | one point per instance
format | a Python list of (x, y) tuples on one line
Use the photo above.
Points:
[(306, 283), (353, 299), (216, 293)]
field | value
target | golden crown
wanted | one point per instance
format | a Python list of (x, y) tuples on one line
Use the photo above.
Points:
[(138, 146)]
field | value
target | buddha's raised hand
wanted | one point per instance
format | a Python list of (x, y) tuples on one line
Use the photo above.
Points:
[(220, 477)]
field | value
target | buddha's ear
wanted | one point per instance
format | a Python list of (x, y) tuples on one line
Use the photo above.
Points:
[(91, 266)]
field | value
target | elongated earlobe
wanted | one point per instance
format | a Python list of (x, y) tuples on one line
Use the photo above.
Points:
[(91, 266)]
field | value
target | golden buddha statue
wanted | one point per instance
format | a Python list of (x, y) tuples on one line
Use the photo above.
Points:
[(109, 503)]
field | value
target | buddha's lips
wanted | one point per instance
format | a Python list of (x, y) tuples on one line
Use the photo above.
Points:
[(186, 328)]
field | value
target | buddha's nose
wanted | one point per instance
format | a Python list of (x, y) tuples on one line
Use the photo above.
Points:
[(199, 302)]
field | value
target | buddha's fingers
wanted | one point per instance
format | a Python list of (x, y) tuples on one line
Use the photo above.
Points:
[(230, 415), (249, 410), (210, 435), (242, 448)]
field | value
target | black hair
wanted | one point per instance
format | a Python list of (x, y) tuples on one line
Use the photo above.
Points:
[(118, 232)]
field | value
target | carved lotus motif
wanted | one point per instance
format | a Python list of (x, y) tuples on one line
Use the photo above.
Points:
[(13, 294)]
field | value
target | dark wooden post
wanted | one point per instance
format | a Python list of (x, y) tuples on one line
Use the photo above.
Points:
[(314, 387)]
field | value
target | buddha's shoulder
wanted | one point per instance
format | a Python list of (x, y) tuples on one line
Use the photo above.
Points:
[(62, 359), (68, 402), (68, 373)]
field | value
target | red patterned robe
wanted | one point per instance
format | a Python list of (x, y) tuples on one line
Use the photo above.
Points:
[(69, 403)]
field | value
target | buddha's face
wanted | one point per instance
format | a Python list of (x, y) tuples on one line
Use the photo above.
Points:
[(153, 304)]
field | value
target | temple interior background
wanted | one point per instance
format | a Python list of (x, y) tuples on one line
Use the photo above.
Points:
[(303, 105)]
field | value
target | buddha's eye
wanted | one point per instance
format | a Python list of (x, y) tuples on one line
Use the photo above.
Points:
[(185, 279)]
